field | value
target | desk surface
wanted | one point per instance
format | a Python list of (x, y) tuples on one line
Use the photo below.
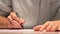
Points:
[(25, 31)]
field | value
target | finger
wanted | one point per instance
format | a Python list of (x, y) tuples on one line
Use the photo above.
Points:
[(58, 28), (12, 21), (44, 26), (49, 27), (14, 16), (22, 21), (9, 25), (15, 25), (37, 28), (19, 20), (54, 28)]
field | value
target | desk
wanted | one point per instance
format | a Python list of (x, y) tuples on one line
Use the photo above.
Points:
[(25, 31)]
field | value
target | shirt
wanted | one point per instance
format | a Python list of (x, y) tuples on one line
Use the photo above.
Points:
[(26, 9)]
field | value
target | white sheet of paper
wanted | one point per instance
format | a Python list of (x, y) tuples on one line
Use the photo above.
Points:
[(6, 30), (18, 31), (24, 31)]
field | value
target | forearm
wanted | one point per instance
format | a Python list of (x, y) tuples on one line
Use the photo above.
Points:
[(3, 22)]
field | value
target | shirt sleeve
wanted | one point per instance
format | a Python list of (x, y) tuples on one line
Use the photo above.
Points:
[(5, 7)]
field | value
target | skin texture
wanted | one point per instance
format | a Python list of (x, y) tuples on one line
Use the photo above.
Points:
[(15, 22), (49, 26)]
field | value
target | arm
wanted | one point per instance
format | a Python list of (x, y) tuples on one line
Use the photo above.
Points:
[(5, 8), (3, 22)]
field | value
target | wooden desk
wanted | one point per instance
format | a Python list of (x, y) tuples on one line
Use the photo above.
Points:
[(25, 31)]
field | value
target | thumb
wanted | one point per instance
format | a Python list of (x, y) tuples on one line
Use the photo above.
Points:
[(13, 14)]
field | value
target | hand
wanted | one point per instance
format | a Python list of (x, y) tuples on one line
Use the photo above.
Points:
[(15, 22), (49, 26)]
